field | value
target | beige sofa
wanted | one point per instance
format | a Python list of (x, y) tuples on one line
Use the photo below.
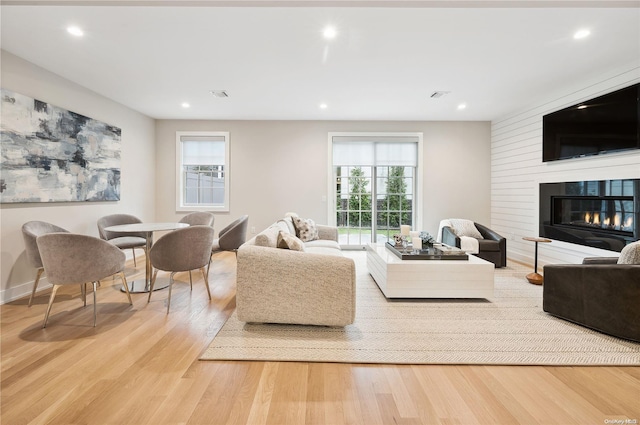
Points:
[(316, 286)]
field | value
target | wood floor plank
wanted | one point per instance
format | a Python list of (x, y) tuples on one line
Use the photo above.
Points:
[(140, 366)]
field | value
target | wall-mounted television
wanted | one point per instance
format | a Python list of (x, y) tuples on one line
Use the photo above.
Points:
[(605, 124)]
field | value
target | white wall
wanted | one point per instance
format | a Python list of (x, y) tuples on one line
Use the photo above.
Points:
[(517, 170), (137, 170), (281, 166)]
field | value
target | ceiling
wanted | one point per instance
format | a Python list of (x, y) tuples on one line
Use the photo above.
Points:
[(272, 59)]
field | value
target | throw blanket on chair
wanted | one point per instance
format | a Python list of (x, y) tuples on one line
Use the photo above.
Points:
[(468, 244)]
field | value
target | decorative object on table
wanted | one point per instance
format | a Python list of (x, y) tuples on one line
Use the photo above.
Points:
[(417, 244), (535, 277), (50, 154), (405, 230), (441, 252), (427, 239), (397, 239)]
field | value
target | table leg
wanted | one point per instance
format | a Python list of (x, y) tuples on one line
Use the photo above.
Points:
[(535, 278), (142, 286)]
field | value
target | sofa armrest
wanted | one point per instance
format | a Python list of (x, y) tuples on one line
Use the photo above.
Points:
[(327, 232), (282, 286), (449, 237)]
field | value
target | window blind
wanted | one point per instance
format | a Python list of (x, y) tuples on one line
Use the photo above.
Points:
[(203, 150), (375, 151)]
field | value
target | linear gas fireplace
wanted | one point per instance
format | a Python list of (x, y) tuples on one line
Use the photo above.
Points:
[(601, 213)]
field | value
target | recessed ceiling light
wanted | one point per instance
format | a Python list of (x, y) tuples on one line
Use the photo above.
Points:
[(462, 106), (329, 33), (185, 105), (73, 30), (323, 106), (581, 34), (582, 107)]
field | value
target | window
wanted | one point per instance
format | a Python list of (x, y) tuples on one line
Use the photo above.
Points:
[(376, 179), (202, 169)]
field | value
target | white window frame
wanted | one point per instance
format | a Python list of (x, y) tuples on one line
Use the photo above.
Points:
[(180, 175), (331, 189)]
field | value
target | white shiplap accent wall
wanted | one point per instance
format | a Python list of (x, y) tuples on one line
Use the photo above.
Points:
[(517, 170)]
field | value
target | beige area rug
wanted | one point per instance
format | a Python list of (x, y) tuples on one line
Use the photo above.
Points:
[(508, 329)]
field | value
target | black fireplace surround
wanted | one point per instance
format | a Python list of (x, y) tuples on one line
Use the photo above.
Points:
[(602, 214)]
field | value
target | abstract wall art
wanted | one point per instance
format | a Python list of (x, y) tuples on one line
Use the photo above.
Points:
[(49, 154)]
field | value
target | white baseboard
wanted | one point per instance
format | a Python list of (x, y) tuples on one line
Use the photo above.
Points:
[(22, 290)]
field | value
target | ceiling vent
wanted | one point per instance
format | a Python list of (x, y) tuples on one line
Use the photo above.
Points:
[(437, 94), (219, 93)]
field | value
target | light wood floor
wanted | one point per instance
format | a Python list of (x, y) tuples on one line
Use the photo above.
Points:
[(140, 366)]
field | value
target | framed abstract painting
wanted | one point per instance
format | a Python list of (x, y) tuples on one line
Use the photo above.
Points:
[(50, 154)]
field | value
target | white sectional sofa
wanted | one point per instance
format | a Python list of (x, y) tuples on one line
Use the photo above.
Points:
[(315, 286)]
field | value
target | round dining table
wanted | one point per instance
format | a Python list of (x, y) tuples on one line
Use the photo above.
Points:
[(140, 286)]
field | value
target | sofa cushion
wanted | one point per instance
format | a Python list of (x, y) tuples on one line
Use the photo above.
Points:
[(306, 229), (463, 227), (288, 241), (268, 237), (323, 243), (630, 254), (323, 250)]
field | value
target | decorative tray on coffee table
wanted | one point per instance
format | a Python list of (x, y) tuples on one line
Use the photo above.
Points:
[(437, 252)]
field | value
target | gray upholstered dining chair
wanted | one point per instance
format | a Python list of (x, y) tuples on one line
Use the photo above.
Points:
[(30, 231), (180, 251), (231, 237), (122, 240), (71, 259), (199, 218)]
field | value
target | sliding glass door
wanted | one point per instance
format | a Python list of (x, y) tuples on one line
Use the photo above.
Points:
[(375, 186)]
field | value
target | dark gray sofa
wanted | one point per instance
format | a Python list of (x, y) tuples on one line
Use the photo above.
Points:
[(598, 294)]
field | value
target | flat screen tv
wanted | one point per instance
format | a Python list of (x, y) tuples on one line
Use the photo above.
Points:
[(608, 123)]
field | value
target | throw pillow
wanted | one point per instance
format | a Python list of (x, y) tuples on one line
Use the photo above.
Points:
[(306, 229), (630, 254), (288, 241), (463, 227)]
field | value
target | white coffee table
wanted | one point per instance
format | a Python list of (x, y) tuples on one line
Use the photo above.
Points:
[(472, 278)]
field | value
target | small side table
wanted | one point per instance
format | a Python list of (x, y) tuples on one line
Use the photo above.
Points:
[(535, 277)]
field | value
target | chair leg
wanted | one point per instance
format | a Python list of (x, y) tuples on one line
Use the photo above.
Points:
[(83, 291), (153, 281), (133, 250), (35, 285), (95, 313), (53, 295), (126, 286), (206, 281), (170, 286), (190, 281)]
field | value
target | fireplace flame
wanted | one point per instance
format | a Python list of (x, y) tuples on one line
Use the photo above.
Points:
[(587, 218), (617, 220), (628, 223), (596, 218), (606, 222)]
